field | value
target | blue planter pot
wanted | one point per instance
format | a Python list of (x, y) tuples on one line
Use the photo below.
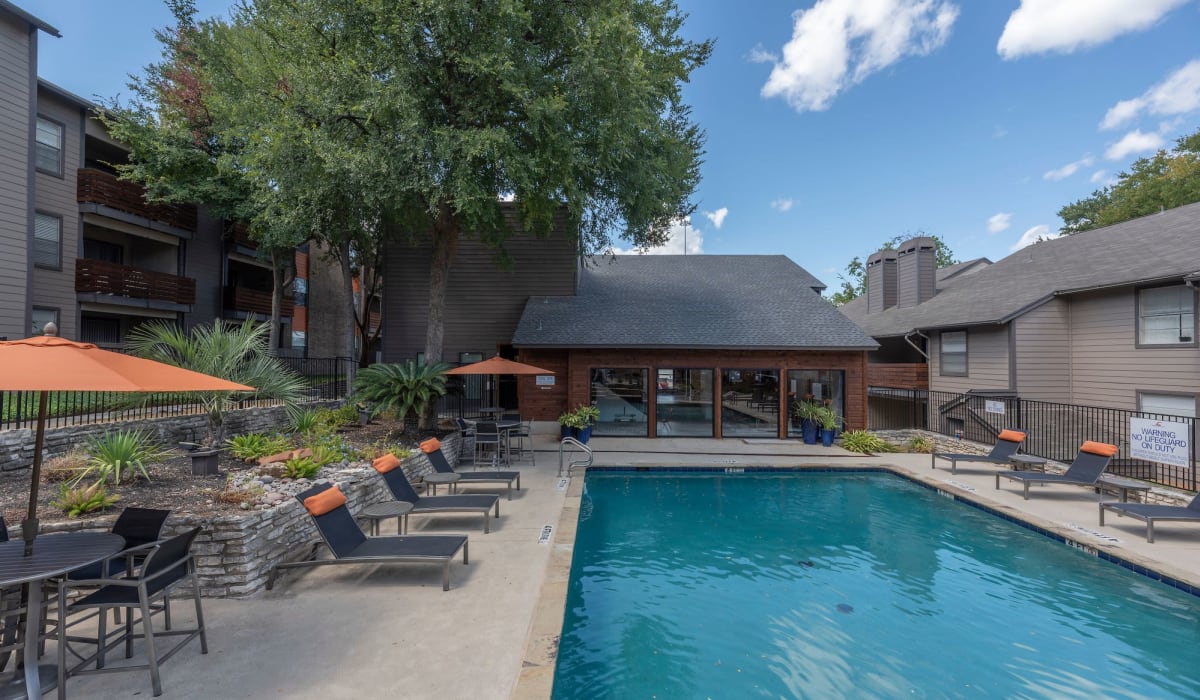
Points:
[(827, 437), (567, 431), (808, 430), (583, 434)]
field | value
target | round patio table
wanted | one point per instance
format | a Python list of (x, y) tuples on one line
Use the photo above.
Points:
[(387, 509), (439, 478), (53, 555)]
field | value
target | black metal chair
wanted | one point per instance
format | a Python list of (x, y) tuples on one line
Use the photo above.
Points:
[(139, 527), (168, 565), (487, 439), (3, 530)]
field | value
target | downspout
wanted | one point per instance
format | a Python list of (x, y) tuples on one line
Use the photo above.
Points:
[(914, 345)]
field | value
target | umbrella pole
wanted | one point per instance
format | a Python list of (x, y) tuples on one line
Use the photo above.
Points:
[(29, 528)]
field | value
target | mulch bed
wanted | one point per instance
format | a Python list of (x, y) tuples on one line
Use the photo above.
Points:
[(171, 485)]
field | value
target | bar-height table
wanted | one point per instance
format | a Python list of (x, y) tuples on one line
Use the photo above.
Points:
[(53, 556)]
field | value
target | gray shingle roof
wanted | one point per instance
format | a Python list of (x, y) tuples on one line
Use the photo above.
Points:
[(1156, 247), (691, 301)]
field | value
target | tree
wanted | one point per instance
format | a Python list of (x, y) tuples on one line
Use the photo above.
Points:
[(406, 389), (362, 118), (1162, 181), (854, 279)]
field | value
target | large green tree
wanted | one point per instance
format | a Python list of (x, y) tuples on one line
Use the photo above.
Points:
[(1162, 181), (854, 279), (372, 117)]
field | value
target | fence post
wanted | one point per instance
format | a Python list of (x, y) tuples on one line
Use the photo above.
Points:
[(1020, 418)]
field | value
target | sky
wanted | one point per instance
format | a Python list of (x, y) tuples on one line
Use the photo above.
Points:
[(832, 126)]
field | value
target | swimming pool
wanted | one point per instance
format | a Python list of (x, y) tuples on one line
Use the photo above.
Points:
[(849, 584)]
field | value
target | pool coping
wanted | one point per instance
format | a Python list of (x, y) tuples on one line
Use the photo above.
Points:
[(536, 679)]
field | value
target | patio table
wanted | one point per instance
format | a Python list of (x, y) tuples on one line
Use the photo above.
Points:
[(53, 556)]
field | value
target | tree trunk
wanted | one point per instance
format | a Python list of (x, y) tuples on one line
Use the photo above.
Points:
[(346, 325), (446, 233), (276, 302)]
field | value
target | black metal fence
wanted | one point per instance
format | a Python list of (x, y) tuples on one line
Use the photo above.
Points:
[(325, 379), (466, 394), (1055, 430)]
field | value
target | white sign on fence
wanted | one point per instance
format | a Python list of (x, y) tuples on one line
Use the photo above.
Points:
[(993, 407), (1159, 441)]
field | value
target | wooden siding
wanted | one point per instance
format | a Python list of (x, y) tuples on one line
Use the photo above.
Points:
[(16, 77), (1107, 369), (987, 361), (1043, 352), (56, 195), (204, 261), (484, 303), (573, 385), (903, 376)]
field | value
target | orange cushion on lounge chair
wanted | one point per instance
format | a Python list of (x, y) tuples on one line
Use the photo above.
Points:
[(431, 445), (385, 463), (1012, 435), (1098, 448), (325, 501)]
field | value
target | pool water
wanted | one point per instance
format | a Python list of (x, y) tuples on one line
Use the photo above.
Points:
[(850, 585)]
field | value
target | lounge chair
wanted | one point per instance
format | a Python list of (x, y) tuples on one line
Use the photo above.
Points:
[(389, 468), (346, 541), (1155, 511), (433, 451), (1090, 462), (1007, 444)]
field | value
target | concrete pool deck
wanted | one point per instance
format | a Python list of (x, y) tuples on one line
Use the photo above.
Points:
[(354, 632)]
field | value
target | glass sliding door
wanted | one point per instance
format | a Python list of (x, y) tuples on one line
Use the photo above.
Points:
[(823, 386), (622, 397), (749, 403), (684, 402)]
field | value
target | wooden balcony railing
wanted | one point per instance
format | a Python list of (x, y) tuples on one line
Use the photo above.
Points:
[(240, 233), (100, 277), (99, 187), (255, 301)]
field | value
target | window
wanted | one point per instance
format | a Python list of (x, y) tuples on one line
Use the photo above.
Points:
[(954, 354), (42, 316), (823, 386), (103, 250), (1168, 404), (621, 394), (750, 403), (1167, 316), (47, 241), (684, 404), (48, 146), (100, 330)]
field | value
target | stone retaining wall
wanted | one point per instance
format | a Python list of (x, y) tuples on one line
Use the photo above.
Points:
[(16, 446), (236, 552)]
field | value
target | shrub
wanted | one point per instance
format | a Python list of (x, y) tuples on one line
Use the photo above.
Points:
[(920, 444), (346, 414), (864, 442), (335, 448), (84, 499), (382, 447), (255, 445), (408, 389), (301, 468), (239, 496), (121, 453), (66, 467), (311, 423)]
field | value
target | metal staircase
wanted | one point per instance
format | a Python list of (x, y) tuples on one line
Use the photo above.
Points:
[(570, 442)]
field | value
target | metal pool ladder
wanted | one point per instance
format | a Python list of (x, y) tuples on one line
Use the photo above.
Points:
[(573, 443)]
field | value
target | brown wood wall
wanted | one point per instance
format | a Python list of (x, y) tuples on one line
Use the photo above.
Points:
[(899, 375), (573, 374)]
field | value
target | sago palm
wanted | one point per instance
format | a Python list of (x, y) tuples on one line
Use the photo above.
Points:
[(406, 389), (237, 353)]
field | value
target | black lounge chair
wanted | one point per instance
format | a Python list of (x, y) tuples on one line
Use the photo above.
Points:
[(1090, 462), (433, 451), (393, 475), (1007, 444), (346, 541), (1150, 512)]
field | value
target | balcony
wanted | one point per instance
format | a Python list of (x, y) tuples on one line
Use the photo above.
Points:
[(105, 190), (100, 277), (240, 235), (255, 301)]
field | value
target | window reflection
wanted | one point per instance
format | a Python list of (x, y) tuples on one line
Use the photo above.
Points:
[(823, 386), (621, 396), (750, 403), (683, 402)]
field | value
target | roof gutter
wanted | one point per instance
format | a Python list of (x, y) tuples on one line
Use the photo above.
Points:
[(914, 345)]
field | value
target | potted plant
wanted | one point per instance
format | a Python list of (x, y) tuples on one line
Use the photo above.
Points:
[(364, 414), (588, 415), (566, 424), (806, 412), (828, 421)]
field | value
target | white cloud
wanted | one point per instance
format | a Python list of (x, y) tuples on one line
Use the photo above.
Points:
[(999, 132), (838, 43), (717, 217), (999, 222), (782, 204), (760, 55), (1179, 93), (1097, 176), (682, 239), (1069, 169), (1134, 142), (1033, 235), (1040, 26)]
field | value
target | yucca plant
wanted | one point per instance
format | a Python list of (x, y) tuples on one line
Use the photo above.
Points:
[(255, 445), (865, 442), (237, 353), (920, 444), (301, 468), (118, 454), (81, 500), (406, 389)]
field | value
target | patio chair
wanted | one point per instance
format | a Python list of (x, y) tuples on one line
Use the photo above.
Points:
[(139, 527), (1090, 462), (520, 438), (3, 530), (348, 545), (1007, 444), (467, 428), (389, 468), (433, 451), (487, 440), (1149, 512), (167, 566)]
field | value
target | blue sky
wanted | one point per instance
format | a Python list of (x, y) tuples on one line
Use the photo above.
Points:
[(834, 125)]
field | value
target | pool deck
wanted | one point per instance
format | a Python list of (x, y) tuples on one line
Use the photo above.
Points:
[(353, 632)]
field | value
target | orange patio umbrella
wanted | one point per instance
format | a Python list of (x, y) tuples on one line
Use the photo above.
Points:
[(49, 363), (498, 365)]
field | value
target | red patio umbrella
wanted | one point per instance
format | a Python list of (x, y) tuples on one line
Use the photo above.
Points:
[(49, 363)]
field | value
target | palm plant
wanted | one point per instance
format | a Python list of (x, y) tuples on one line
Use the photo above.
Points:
[(237, 353), (407, 388)]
